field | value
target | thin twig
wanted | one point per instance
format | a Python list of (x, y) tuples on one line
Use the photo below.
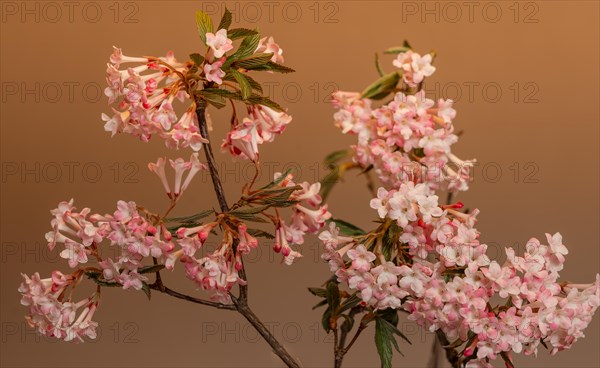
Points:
[(178, 295), (241, 302)]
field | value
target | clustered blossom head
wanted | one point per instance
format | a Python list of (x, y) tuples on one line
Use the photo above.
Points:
[(51, 310), (142, 99), (414, 67), (426, 258), (439, 272), (260, 126), (408, 138), (308, 216)]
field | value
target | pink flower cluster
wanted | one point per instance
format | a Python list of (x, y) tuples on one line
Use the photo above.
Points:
[(414, 67), (142, 99), (440, 273), (407, 139), (217, 270), (260, 126), (52, 312), (81, 235), (308, 216)]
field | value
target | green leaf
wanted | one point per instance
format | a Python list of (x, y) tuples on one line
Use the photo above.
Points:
[(320, 304), (382, 87), (320, 292), (277, 181), (247, 47), (384, 335), (221, 92), (253, 61), (249, 210), (336, 156), (215, 99), (348, 322), (274, 67), (330, 180), (257, 233), (254, 84), (378, 66), (95, 276), (255, 99), (204, 24), (234, 34), (397, 50), (245, 88), (192, 218), (383, 343), (326, 319), (333, 295), (349, 303), (197, 58), (250, 217), (225, 20), (347, 228), (151, 269), (146, 290)]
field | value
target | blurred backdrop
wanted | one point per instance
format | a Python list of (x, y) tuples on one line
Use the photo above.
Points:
[(524, 75)]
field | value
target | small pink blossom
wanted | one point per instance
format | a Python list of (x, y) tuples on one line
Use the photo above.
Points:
[(219, 42)]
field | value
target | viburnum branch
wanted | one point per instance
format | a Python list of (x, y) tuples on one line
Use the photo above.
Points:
[(241, 302), (163, 289)]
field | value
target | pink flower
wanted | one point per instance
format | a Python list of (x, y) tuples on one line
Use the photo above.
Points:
[(381, 202), (117, 58), (196, 166), (268, 45), (180, 166), (244, 140), (414, 66), (159, 169), (361, 258), (246, 241), (219, 42), (213, 71)]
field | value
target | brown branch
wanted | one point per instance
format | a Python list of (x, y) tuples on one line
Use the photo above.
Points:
[(173, 293), (240, 303)]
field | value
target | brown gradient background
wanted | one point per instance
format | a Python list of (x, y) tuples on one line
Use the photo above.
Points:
[(556, 131)]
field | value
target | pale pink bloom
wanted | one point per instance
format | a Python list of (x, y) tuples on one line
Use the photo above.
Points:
[(421, 67), (213, 71), (244, 140), (110, 270), (381, 202), (386, 273), (246, 241), (361, 258), (414, 66), (556, 245), (117, 58), (445, 110), (219, 42), (428, 206), (201, 231), (165, 115), (75, 253), (180, 166), (159, 169), (132, 279), (268, 45), (196, 166)]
